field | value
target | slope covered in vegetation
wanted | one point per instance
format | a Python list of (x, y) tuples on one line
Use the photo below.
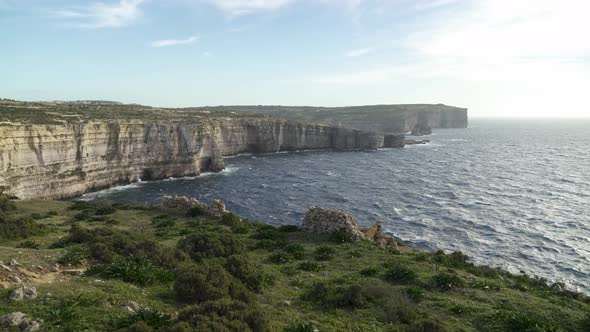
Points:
[(105, 267)]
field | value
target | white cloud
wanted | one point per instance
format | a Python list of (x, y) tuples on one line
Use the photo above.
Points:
[(102, 15), (244, 7), (359, 52), (174, 42)]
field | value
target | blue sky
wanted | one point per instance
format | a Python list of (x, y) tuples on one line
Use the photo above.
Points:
[(497, 57)]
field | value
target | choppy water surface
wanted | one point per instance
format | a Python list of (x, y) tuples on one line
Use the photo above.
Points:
[(509, 193)]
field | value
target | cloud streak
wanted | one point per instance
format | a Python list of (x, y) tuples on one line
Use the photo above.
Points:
[(174, 42), (245, 7), (101, 15), (359, 52)]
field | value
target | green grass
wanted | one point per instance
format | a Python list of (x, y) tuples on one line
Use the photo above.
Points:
[(251, 276)]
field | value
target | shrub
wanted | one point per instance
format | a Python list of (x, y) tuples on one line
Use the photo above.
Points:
[(18, 227), (196, 212), (447, 281), (205, 245), (296, 251), (104, 210), (163, 221), (269, 233), (6, 204), (231, 219), (136, 270), (224, 315), (369, 272), (149, 317), (271, 244), (341, 236), (74, 255), (29, 244), (300, 327), (81, 205), (281, 257), (247, 271), (415, 293), (426, 325), (392, 306), (198, 284), (309, 266), (105, 244), (288, 228), (334, 297), (324, 253), (396, 272)]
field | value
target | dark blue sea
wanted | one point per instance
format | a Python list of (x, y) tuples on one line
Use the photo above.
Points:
[(509, 193)]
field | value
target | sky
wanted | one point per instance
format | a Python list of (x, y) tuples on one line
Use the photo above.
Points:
[(502, 58)]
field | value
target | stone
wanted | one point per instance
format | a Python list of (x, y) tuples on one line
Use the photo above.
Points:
[(21, 321), (13, 262), (55, 268), (6, 268), (133, 307), (328, 221), (23, 293), (185, 204), (15, 279)]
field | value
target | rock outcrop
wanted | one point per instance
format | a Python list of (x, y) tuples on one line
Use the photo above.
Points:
[(19, 320), (328, 221), (23, 293), (185, 204), (64, 160), (421, 129)]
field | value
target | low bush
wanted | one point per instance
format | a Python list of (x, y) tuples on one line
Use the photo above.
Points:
[(196, 212), (268, 232), (74, 255), (6, 204), (206, 245), (19, 227), (299, 327), (224, 315), (397, 272), (337, 296), (105, 244), (369, 272), (136, 270), (151, 318), (163, 221), (426, 325), (280, 257), (296, 251), (197, 284), (324, 253), (391, 305), (309, 266), (446, 281), (270, 245), (247, 271), (29, 244), (231, 219), (288, 228)]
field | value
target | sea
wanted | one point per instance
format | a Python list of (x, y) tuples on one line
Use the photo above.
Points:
[(510, 193)]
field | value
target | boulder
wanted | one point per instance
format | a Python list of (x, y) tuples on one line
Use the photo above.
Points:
[(21, 321), (23, 293), (185, 204), (328, 221)]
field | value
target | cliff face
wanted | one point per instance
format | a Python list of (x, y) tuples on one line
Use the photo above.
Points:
[(65, 160), (382, 118)]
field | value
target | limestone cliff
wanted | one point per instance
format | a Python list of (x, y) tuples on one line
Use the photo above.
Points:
[(382, 118), (61, 160)]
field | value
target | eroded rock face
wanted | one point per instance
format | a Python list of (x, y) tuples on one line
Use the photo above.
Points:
[(421, 129), (185, 204), (56, 161), (328, 221), (23, 293)]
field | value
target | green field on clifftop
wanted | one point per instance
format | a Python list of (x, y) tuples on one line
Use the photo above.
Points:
[(108, 267)]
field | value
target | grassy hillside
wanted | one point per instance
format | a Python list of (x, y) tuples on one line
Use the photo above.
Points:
[(195, 273)]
